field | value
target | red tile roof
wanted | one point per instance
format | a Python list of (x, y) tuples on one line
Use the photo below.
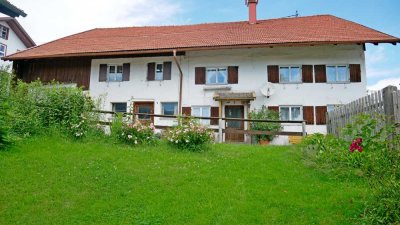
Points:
[(318, 30)]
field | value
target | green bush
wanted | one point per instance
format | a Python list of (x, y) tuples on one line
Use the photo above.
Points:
[(5, 85), (364, 149), (265, 114), (30, 109), (133, 132), (190, 135)]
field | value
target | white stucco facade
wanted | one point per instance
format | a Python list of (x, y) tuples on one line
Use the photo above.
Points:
[(13, 43), (252, 65)]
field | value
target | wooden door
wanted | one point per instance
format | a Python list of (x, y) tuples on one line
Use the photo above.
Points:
[(144, 107), (232, 126)]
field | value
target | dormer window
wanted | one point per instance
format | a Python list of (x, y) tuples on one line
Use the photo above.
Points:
[(4, 32)]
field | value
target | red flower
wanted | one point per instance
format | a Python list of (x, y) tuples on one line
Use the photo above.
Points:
[(356, 145)]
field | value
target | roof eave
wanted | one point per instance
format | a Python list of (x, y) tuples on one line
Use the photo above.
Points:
[(15, 56)]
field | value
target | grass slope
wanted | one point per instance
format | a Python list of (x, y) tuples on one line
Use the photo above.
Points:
[(52, 180)]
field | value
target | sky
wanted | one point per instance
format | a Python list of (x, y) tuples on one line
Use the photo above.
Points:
[(48, 20)]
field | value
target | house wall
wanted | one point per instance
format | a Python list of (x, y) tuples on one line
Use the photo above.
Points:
[(13, 43), (252, 76)]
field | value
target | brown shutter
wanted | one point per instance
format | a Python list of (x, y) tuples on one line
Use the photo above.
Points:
[(103, 73), (186, 111), (200, 75), (321, 114), (273, 74), (214, 113), (233, 75), (167, 68), (307, 72), (320, 73), (308, 114), (273, 108), (151, 71), (355, 73), (126, 71)]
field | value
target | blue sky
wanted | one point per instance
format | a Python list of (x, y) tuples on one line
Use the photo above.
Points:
[(49, 19)]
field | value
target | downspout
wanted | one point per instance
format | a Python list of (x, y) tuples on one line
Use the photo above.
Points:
[(180, 84)]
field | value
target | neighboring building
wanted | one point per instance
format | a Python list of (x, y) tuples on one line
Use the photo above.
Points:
[(309, 64), (13, 38), (10, 10)]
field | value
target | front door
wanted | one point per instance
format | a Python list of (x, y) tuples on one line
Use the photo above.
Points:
[(147, 108), (231, 126)]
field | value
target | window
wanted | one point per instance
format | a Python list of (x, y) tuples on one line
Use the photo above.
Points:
[(217, 75), (3, 50), (170, 108), (291, 112), (114, 73), (119, 107), (290, 74), (202, 111), (159, 71), (331, 108), (337, 74), (4, 32)]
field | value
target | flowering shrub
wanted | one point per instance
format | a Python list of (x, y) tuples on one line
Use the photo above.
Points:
[(379, 163), (136, 133), (356, 145), (190, 135)]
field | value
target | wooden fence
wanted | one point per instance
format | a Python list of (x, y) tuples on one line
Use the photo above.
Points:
[(385, 102), (221, 121)]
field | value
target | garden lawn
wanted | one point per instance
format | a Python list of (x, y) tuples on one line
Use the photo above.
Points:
[(53, 180)]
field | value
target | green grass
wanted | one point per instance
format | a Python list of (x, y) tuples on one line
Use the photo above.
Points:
[(50, 180)]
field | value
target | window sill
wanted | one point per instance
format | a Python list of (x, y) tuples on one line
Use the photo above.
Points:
[(291, 82), (224, 87), (341, 82)]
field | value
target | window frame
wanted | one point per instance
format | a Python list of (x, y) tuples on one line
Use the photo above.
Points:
[(5, 29), (176, 111), (116, 70), (162, 71), (217, 68), (337, 74), (290, 111), (5, 50), (332, 106), (113, 104), (202, 107), (290, 74)]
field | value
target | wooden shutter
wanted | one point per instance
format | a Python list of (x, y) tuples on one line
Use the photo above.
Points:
[(308, 114), (273, 74), (355, 73), (126, 71), (214, 113), (200, 75), (273, 108), (151, 71), (307, 73), (103, 73), (167, 69), (320, 73), (321, 114), (186, 111), (233, 75)]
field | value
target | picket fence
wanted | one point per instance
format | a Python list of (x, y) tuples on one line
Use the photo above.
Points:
[(385, 102)]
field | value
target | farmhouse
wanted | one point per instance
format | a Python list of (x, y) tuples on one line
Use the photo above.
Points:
[(299, 66)]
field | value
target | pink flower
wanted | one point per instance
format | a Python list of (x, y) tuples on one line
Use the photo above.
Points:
[(356, 145)]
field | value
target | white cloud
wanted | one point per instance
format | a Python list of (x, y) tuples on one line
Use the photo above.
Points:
[(394, 81), (381, 73), (51, 19), (375, 56)]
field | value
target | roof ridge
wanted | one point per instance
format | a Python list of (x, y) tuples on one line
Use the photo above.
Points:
[(211, 23)]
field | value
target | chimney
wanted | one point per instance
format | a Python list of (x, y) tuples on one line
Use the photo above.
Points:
[(252, 4)]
